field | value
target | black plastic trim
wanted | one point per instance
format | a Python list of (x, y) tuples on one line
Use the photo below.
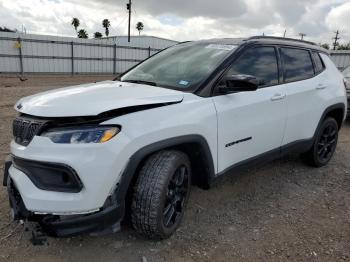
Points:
[(294, 147), (8, 163), (329, 109), (82, 224), (140, 155), (28, 167)]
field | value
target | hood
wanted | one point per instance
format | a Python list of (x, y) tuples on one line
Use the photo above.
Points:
[(93, 99)]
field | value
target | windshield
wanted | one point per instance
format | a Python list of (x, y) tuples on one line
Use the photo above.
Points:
[(346, 72), (180, 67)]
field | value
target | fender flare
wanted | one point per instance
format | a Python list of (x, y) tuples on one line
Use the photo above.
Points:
[(135, 160), (326, 111)]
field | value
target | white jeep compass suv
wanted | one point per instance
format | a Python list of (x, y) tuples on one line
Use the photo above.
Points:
[(85, 157)]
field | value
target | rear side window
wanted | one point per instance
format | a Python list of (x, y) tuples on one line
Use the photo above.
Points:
[(319, 66), (260, 62), (297, 64)]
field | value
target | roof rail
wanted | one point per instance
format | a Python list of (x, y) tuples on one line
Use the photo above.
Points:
[(281, 38)]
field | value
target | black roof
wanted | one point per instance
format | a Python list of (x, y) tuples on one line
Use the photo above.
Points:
[(267, 40)]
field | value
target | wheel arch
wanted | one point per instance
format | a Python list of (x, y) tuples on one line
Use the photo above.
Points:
[(195, 146), (337, 111)]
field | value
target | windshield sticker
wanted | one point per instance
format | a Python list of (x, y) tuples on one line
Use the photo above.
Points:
[(183, 82), (221, 47)]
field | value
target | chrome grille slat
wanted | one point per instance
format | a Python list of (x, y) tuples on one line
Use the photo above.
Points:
[(24, 129)]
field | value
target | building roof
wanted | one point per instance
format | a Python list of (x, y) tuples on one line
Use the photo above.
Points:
[(140, 36)]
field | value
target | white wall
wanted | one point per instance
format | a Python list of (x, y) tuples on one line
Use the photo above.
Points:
[(341, 58), (52, 54)]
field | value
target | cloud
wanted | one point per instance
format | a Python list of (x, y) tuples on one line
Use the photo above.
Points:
[(182, 19)]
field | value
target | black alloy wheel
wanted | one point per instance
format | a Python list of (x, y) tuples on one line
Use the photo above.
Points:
[(175, 197), (327, 143), (324, 145)]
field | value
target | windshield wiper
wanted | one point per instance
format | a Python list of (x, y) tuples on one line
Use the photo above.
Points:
[(141, 82)]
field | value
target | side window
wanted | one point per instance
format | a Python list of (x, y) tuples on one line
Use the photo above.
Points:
[(260, 62), (319, 66), (297, 64)]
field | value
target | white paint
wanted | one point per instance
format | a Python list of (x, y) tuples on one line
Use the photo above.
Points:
[(93, 99)]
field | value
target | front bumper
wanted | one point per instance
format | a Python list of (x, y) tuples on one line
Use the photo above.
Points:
[(109, 216), (99, 168)]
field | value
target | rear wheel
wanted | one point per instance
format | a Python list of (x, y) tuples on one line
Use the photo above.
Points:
[(325, 143), (160, 194)]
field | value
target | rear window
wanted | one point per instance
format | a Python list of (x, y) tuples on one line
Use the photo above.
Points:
[(319, 66), (297, 64)]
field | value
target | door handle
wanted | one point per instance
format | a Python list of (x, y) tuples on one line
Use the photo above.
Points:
[(278, 97), (321, 86)]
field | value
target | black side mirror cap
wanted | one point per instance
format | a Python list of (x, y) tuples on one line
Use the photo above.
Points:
[(238, 83)]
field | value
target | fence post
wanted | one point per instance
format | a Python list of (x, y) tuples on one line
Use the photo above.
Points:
[(72, 57), (115, 59), (20, 56), (149, 51)]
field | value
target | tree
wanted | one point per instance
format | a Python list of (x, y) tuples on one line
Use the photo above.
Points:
[(82, 34), (343, 47), (97, 35), (5, 29), (75, 23), (106, 24), (325, 46), (139, 27)]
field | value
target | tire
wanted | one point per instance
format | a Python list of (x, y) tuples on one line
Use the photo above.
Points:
[(324, 145), (160, 194)]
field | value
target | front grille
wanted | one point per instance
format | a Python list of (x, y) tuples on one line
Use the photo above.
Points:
[(24, 129)]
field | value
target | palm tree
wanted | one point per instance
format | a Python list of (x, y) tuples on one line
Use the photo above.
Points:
[(139, 27), (5, 29), (106, 24), (75, 23), (97, 35), (82, 34)]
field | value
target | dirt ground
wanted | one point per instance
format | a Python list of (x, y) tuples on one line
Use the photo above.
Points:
[(283, 211)]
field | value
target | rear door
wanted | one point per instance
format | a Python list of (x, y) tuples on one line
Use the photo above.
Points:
[(251, 123), (304, 87)]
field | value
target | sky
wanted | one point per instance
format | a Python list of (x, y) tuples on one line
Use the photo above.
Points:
[(184, 20)]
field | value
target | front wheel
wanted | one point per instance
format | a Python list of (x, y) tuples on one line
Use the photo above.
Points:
[(324, 145), (160, 194)]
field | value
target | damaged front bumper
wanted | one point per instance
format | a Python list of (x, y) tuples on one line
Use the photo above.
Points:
[(107, 219)]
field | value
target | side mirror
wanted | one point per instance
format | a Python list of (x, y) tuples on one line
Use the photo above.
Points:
[(238, 83)]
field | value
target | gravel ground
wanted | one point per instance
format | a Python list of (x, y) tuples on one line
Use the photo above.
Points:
[(281, 211)]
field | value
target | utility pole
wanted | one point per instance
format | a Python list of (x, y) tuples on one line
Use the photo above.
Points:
[(302, 35), (128, 7), (336, 39), (285, 32)]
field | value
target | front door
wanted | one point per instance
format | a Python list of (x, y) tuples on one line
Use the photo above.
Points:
[(251, 123)]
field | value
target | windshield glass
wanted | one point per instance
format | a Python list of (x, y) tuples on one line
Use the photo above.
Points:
[(180, 67), (346, 72)]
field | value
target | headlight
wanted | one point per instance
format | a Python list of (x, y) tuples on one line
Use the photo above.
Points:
[(81, 135)]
